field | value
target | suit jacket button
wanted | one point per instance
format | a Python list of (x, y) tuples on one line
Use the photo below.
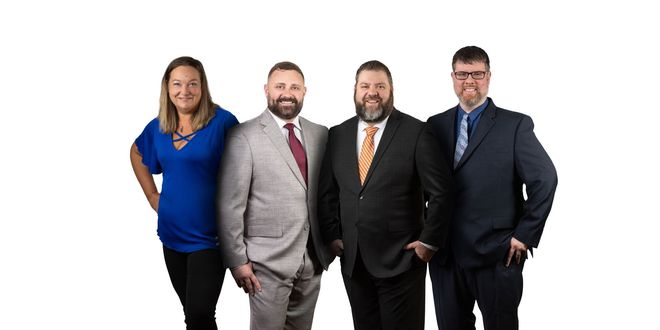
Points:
[(361, 197)]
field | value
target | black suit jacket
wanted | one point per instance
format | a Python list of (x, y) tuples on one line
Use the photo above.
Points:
[(389, 210), (502, 155)]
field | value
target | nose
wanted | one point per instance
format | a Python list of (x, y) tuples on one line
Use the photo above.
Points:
[(372, 90), (185, 89)]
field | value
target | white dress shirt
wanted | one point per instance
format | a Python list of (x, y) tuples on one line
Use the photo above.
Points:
[(362, 133), (297, 130)]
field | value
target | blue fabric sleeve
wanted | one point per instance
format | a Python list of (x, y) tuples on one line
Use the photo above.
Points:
[(146, 144), (230, 121)]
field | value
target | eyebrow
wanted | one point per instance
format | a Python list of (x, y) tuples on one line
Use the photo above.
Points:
[(369, 84), (292, 85), (191, 80)]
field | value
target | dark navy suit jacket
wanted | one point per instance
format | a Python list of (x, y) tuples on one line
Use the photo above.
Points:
[(502, 155)]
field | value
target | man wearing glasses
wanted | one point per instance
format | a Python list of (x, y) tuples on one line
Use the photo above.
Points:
[(493, 152)]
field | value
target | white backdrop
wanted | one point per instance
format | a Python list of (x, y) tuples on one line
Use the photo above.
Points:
[(80, 80)]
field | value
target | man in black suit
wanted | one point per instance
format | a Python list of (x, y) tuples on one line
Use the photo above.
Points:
[(493, 153), (379, 170)]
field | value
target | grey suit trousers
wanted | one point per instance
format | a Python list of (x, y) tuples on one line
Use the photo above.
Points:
[(285, 303)]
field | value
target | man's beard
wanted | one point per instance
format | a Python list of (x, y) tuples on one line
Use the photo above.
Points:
[(285, 111), (471, 102), (378, 115)]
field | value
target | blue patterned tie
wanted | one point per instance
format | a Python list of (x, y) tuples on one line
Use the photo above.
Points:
[(462, 142)]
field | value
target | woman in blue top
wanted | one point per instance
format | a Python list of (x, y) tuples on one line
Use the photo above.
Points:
[(185, 144)]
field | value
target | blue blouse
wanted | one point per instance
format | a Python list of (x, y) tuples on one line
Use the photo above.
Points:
[(186, 210)]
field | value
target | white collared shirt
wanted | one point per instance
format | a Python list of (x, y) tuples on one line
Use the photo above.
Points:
[(362, 133), (297, 129)]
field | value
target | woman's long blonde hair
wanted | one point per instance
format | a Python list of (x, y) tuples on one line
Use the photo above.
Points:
[(167, 115)]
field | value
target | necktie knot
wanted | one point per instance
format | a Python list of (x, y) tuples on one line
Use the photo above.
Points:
[(289, 126), (371, 131)]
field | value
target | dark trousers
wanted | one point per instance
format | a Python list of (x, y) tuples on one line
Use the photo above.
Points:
[(386, 303), (497, 291), (197, 279)]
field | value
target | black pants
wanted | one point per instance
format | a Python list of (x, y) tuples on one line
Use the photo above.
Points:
[(197, 278), (386, 303), (496, 289)]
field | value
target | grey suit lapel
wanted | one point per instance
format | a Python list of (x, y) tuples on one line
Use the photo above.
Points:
[(388, 134), (274, 133), (485, 124)]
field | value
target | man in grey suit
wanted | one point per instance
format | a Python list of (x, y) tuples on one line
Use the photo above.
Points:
[(268, 231)]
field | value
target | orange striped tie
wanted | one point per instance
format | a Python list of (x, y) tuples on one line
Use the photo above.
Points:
[(367, 153)]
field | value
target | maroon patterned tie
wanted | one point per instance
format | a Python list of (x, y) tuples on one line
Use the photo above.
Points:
[(297, 150)]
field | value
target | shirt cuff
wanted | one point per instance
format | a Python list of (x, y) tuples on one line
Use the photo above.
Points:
[(431, 247)]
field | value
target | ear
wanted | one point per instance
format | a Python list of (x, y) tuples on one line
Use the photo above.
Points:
[(266, 89)]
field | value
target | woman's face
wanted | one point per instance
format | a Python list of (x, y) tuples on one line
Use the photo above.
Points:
[(185, 89)]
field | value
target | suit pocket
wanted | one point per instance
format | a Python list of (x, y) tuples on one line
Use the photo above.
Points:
[(503, 222), (264, 231)]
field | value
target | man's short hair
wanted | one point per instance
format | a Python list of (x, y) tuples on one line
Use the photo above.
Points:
[(374, 66), (469, 55), (286, 66)]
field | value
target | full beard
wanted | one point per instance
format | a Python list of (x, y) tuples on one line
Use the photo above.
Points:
[(288, 111), (377, 115), (471, 101)]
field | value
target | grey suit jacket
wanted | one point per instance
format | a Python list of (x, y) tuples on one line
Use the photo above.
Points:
[(265, 209)]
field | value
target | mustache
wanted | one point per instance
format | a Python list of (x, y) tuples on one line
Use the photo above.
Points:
[(372, 98)]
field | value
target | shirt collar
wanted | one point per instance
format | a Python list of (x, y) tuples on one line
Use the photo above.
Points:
[(280, 122), (381, 125), (476, 112)]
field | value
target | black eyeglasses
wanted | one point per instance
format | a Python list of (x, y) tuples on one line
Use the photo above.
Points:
[(476, 75)]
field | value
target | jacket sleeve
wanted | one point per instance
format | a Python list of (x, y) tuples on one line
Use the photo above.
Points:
[(537, 172), (328, 198), (234, 179), (435, 176)]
